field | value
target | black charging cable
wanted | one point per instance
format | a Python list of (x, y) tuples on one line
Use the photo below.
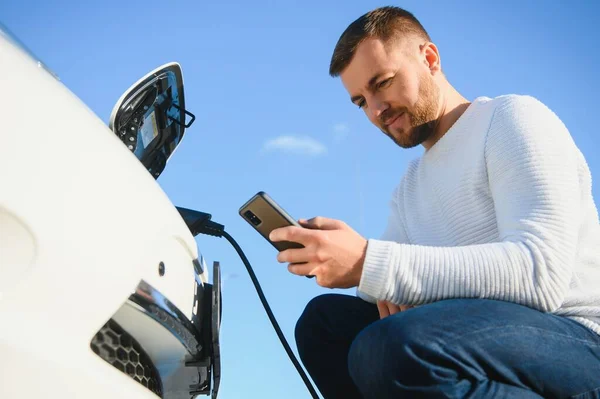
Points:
[(203, 225)]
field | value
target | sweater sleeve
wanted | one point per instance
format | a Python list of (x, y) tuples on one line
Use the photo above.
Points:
[(532, 166), (394, 231)]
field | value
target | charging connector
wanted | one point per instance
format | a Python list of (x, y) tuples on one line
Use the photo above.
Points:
[(201, 223)]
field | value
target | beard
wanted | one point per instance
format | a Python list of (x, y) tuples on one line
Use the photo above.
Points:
[(423, 118)]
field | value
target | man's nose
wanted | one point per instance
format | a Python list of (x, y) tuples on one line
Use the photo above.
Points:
[(377, 107)]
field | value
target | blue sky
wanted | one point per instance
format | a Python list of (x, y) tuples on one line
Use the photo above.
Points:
[(270, 118)]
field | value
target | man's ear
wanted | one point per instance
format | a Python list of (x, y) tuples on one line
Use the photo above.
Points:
[(431, 57)]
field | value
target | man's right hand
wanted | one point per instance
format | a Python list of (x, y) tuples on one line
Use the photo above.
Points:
[(387, 308)]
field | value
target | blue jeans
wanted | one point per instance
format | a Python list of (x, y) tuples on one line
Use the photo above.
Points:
[(461, 348)]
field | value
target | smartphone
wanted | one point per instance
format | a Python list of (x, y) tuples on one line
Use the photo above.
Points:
[(265, 215)]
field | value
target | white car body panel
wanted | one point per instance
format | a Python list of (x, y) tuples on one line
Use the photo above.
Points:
[(81, 224)]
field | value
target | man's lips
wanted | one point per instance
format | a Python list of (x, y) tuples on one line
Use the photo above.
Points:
[(393, 119)]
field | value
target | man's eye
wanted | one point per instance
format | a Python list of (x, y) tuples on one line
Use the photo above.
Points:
[(360, 103), (384, 83)]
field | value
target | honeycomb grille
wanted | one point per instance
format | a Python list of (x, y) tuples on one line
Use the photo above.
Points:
[(117, 347)]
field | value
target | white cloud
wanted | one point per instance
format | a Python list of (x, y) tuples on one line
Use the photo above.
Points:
[(340, 131), (302, 145)]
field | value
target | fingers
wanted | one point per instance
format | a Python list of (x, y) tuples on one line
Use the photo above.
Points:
[(393, 309), (383, 309), (293, 255), (307, 232), (291, 233), (387, 308), (302, 269), (322, 223)]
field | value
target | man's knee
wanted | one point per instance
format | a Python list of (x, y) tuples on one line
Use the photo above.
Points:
[(368, 361), (391, 351), (311, 322)]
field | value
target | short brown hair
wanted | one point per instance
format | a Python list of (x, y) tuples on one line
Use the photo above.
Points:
[(383, 23)]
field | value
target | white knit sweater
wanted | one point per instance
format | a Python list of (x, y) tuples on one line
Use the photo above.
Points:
[(500, 207)]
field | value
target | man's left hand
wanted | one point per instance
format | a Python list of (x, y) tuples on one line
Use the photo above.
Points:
[(387, 308), (333, 252)]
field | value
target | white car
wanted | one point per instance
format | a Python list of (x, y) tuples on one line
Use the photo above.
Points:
[(103, 292)]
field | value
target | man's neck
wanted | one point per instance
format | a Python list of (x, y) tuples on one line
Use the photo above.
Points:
[(452, 105)]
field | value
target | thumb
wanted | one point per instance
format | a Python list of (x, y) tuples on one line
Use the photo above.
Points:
[(322, 223)]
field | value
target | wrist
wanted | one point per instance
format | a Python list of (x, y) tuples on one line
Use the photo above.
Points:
[(359, 265)]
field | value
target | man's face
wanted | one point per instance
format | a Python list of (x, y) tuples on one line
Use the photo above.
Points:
[(395, 89)]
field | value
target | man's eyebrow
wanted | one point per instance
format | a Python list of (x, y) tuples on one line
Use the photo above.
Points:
[(370, 85), (374, 79)]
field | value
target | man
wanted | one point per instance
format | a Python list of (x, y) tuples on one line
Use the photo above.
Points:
[(486, 280)]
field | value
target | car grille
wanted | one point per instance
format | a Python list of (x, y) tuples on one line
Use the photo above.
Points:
[(117, 347)]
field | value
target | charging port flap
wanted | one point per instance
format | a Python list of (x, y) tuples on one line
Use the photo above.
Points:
[(150, 117)]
